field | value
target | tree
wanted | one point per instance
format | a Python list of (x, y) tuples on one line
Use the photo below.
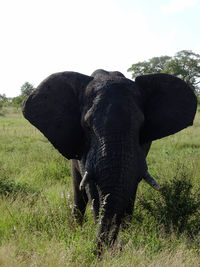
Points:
[(26, 89), (3, 102), (17, 101), (153, 65), (3, 98), (185, 65)]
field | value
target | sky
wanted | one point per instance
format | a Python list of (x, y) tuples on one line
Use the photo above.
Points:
[(41, 37)]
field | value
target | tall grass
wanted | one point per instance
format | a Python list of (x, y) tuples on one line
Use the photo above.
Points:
[(36, 223)]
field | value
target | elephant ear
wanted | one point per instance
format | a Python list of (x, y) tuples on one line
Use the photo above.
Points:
[(55, 110), (169, 105)]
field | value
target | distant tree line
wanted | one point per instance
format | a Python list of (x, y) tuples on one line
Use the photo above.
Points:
[(184, 64), (26, 89)]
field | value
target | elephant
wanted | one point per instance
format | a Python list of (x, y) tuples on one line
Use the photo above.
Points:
[(105, 123)]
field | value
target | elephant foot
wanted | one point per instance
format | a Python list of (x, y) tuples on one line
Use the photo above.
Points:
[(78, 215), (151, 181)]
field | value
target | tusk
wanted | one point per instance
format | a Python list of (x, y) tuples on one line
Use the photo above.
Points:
[(150, 180), (84, 181)]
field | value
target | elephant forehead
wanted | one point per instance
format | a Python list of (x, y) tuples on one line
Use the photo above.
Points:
[(113, 100), (111, 87), (103, 74)]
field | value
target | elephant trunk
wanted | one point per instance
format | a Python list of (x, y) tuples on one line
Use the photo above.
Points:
[(114, 208), (114, 166), (109, 224), (118, 170)]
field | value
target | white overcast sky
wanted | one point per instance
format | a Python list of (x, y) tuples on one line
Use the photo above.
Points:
[(40, 37)]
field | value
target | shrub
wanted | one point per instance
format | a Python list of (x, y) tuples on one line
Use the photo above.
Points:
[(9, 187), (177, 207)]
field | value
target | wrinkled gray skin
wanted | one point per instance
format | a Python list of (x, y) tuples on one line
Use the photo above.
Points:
[(105, 123)]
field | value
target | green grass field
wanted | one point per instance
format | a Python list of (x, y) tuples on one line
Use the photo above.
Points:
[(36, 225)]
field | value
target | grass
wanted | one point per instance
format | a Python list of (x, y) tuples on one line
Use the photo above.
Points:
[(36, 225)]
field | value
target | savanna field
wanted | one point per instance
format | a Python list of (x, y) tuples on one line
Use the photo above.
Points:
[(36, 225)]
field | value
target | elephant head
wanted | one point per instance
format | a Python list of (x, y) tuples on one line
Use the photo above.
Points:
[(104, 122)]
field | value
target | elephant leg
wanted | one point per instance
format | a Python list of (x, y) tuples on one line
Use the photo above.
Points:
[(80, 197), (129, 211)]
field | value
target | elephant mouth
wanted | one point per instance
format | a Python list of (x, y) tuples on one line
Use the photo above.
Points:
[(147, 178)]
